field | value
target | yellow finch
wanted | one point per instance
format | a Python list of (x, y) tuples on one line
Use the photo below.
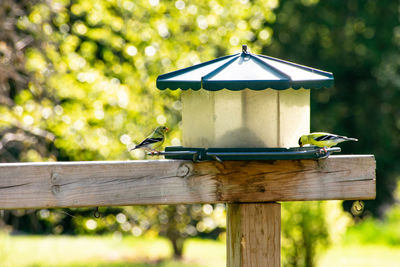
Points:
[(154, 140), (323, 139)]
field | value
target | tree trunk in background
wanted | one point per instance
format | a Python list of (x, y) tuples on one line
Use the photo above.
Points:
[(177, 245)]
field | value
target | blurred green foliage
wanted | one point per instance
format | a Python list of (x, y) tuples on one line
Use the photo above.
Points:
[(98, 61), (384, 231), (304, 233), (359, 42), (81, 78)]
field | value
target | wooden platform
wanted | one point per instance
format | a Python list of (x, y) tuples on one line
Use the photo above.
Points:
[(118, 183)]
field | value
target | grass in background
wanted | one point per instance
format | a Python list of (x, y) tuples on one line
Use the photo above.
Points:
[(82, 251), (369, 243), (374, 231), (361, 256)]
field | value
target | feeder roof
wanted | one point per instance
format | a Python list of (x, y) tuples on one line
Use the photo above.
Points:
[(245, 70)]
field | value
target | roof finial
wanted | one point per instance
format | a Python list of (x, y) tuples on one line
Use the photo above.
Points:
[(244, 48)]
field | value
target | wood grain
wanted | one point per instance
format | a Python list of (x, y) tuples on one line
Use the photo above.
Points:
[(253, 234), (117, 183)]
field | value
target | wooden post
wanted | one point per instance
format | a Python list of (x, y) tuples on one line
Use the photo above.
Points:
[(253, 235)]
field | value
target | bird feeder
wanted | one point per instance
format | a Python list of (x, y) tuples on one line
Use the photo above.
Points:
[(235, 107), (245, 101)]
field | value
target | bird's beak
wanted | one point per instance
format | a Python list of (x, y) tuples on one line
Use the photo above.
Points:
[(166, 129)]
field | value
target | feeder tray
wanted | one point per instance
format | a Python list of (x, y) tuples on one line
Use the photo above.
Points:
[(221, 154)]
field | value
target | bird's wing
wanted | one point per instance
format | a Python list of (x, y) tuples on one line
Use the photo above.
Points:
[(325, 137), (149, 141)]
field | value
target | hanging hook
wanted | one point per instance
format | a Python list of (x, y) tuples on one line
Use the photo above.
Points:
[(96, 213), (357, 207)]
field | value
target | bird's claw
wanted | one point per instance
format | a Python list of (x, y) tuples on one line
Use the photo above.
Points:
[(154, 152), (323, 150)]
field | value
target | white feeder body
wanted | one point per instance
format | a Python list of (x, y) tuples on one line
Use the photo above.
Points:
[(246, 118)]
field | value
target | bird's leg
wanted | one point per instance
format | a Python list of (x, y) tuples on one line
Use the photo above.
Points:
[(323, 150), (155, 152)]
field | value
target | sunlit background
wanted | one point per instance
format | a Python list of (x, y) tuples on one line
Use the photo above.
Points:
[(77, 82)]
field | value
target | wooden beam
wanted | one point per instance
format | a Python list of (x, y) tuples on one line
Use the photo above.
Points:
[(253, 235), (118, 183)]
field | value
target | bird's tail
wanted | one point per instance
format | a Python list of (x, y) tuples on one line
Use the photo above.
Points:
[(351, 139)]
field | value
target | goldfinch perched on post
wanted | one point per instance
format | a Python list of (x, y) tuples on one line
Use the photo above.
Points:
[(153, 141), (323, 139)]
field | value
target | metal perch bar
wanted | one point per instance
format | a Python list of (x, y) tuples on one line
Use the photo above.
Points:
[(292, 153), (216, 155), (175, 153)]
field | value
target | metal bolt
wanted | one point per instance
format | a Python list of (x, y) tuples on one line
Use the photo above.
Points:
[(183, 170), (244, 48)]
